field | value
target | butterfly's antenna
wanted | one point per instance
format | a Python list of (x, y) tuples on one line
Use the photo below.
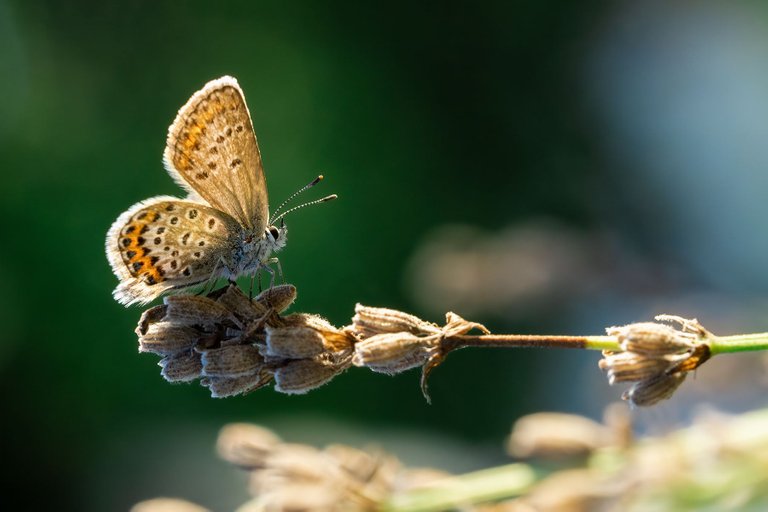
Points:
[(316, 201), (302, 189)]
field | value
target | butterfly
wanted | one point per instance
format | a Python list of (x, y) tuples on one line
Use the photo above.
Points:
[(222, 228)]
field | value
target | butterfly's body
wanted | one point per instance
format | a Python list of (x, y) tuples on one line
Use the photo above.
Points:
[(221, 229)]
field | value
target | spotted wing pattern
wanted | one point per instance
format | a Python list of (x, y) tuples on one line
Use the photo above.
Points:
[(212, 152), (164, 244)]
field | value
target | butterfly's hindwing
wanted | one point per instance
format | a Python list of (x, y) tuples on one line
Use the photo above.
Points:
[(165, 243)]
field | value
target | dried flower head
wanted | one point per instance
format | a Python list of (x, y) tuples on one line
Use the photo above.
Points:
[(393, 341), (235, 345), (655, 357)]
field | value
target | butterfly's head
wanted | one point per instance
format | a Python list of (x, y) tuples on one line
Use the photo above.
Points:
[(276, 236)]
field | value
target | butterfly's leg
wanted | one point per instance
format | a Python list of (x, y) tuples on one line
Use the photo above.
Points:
[(276, 261), (271, 274)]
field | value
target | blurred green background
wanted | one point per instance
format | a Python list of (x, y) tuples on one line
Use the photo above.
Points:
[(536, 166)]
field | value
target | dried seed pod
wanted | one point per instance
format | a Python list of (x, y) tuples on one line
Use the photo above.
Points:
[(652, 339), (222, 387), (650, 391), (166, 338), (238, 303), (393, 353), (370, 321), (628, 366), (151, 316), (231, 361), (278, 298), (181, 367), (294, 342), (195, 310), (334, 340), (302, 375)]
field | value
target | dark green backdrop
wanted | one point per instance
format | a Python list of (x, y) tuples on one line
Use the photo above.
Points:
[(418, 115)]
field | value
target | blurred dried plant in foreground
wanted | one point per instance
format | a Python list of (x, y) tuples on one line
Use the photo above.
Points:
[(236, 345), (719, 463)]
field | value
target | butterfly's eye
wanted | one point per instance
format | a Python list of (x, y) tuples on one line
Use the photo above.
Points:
[(273, 232)]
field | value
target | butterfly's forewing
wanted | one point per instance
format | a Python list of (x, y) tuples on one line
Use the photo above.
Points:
[(165, 243), (212, 151)]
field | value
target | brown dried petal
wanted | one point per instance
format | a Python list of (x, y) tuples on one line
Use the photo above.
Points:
[(181, 367), (222, 387), (246, 445), (651, 339), (370, 321), (393, 353), (294, 342), (231, 361), (195, 309), (651, 391), (278, 298), (302, 375), (165, 338)]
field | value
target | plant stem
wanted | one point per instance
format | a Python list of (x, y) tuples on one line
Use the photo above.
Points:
[(454, 492), (738, 343), (536, 341)]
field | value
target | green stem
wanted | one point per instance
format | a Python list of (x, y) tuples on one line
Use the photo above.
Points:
[(738, 343), (717, 344), (457, 491)]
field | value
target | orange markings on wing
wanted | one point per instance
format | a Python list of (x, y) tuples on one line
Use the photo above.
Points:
[(137, 258), (197, 125)]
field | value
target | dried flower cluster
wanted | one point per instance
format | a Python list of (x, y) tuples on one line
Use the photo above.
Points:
[(285, 476), (716, 464), (655, 357), (236, 345), (296, 477)]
